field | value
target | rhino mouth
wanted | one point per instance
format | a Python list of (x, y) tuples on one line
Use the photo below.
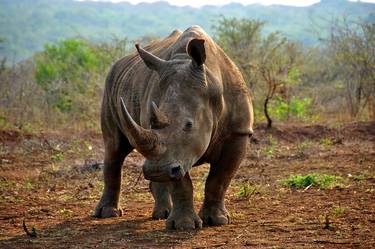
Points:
[(156, 172)]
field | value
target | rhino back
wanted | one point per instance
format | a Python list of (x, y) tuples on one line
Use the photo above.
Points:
[(131, 79)]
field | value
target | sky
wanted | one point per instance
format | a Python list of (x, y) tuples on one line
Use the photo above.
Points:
[(199, 3)]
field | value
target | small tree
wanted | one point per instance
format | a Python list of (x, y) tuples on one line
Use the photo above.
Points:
[(278, 68), (60, 85), (63, 71), (272, 60), (241, 39), (352, 47), (72, 74)]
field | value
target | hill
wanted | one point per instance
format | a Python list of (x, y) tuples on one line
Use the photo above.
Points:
[(25, 26)]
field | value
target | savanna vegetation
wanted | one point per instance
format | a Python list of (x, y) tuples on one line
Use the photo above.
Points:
[(290, 80), (26, 26), (62, 85), (306, 181)]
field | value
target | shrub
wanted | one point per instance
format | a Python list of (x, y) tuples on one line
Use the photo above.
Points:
[(64, 71), (300, 108)]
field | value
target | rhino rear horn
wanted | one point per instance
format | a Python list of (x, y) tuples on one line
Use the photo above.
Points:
[(144, 140), (153, 62), (158, 118)]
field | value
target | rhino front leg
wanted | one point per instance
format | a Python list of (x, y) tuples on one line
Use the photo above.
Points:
[(163, 204), (182, 216), (213, 211), (116, 149)]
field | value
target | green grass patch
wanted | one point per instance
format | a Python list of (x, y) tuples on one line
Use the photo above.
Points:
[(358, 178), (305, 145), (270, 150), (247, 190), (57, 157), (314, 180), (326, 141), (339, 211)]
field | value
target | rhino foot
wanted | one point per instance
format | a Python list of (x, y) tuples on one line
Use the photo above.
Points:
[(163, 204), (215, 215), (107, 211), (183, 220), (160, 213)]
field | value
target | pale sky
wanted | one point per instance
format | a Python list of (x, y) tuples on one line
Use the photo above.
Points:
[(199, 3)]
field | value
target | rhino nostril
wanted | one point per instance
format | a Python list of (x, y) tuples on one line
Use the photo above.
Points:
[(175, 171)]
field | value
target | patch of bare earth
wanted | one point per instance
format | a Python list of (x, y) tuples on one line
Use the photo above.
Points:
[(53, 182)]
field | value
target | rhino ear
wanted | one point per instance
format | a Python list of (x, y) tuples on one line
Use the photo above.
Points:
[(196, 51)]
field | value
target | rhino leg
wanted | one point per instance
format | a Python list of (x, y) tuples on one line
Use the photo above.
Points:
[(117, 148), (213, 211), (163, 204), (182, 216)]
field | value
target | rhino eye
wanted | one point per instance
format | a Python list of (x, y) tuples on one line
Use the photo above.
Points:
[(188, 126)]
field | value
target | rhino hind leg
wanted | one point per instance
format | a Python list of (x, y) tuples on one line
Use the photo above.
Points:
[(213, 211), (182, 216), (117, 147), (163, 203)]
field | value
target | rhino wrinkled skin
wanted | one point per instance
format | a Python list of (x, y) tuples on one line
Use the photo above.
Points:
[(180, 102)]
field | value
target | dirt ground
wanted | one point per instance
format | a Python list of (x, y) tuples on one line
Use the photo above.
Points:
[(52, 182)]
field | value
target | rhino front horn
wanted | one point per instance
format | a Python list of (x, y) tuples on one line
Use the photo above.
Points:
[(145, 141)]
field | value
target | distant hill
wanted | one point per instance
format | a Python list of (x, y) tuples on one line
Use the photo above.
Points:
[(25, 25)]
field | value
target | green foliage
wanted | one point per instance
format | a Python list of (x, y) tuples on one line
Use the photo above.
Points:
[(358, 178), (64, 81), (64, 102), (57, 157), (317, 180), (280, 109), (271, 149), (72, 74), (63, 71), (247, 190), (339, 211), (239, 37), (241, 40), (270, 63), (294, 75), (27, 184), (326, 141), (300, 108), (3, 121), (60, 86), (305, 145), (65, 61), (45, 74)]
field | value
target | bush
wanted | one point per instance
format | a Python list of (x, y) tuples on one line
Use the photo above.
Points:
[(61, 85), (299, 108), (64, 70)]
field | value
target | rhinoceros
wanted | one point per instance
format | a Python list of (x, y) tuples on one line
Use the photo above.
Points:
[(180, 102)]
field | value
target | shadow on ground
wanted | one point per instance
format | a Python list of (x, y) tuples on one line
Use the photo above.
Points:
[(99, 233)]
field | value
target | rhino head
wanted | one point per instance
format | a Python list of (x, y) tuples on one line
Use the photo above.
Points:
[(182, 122)]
